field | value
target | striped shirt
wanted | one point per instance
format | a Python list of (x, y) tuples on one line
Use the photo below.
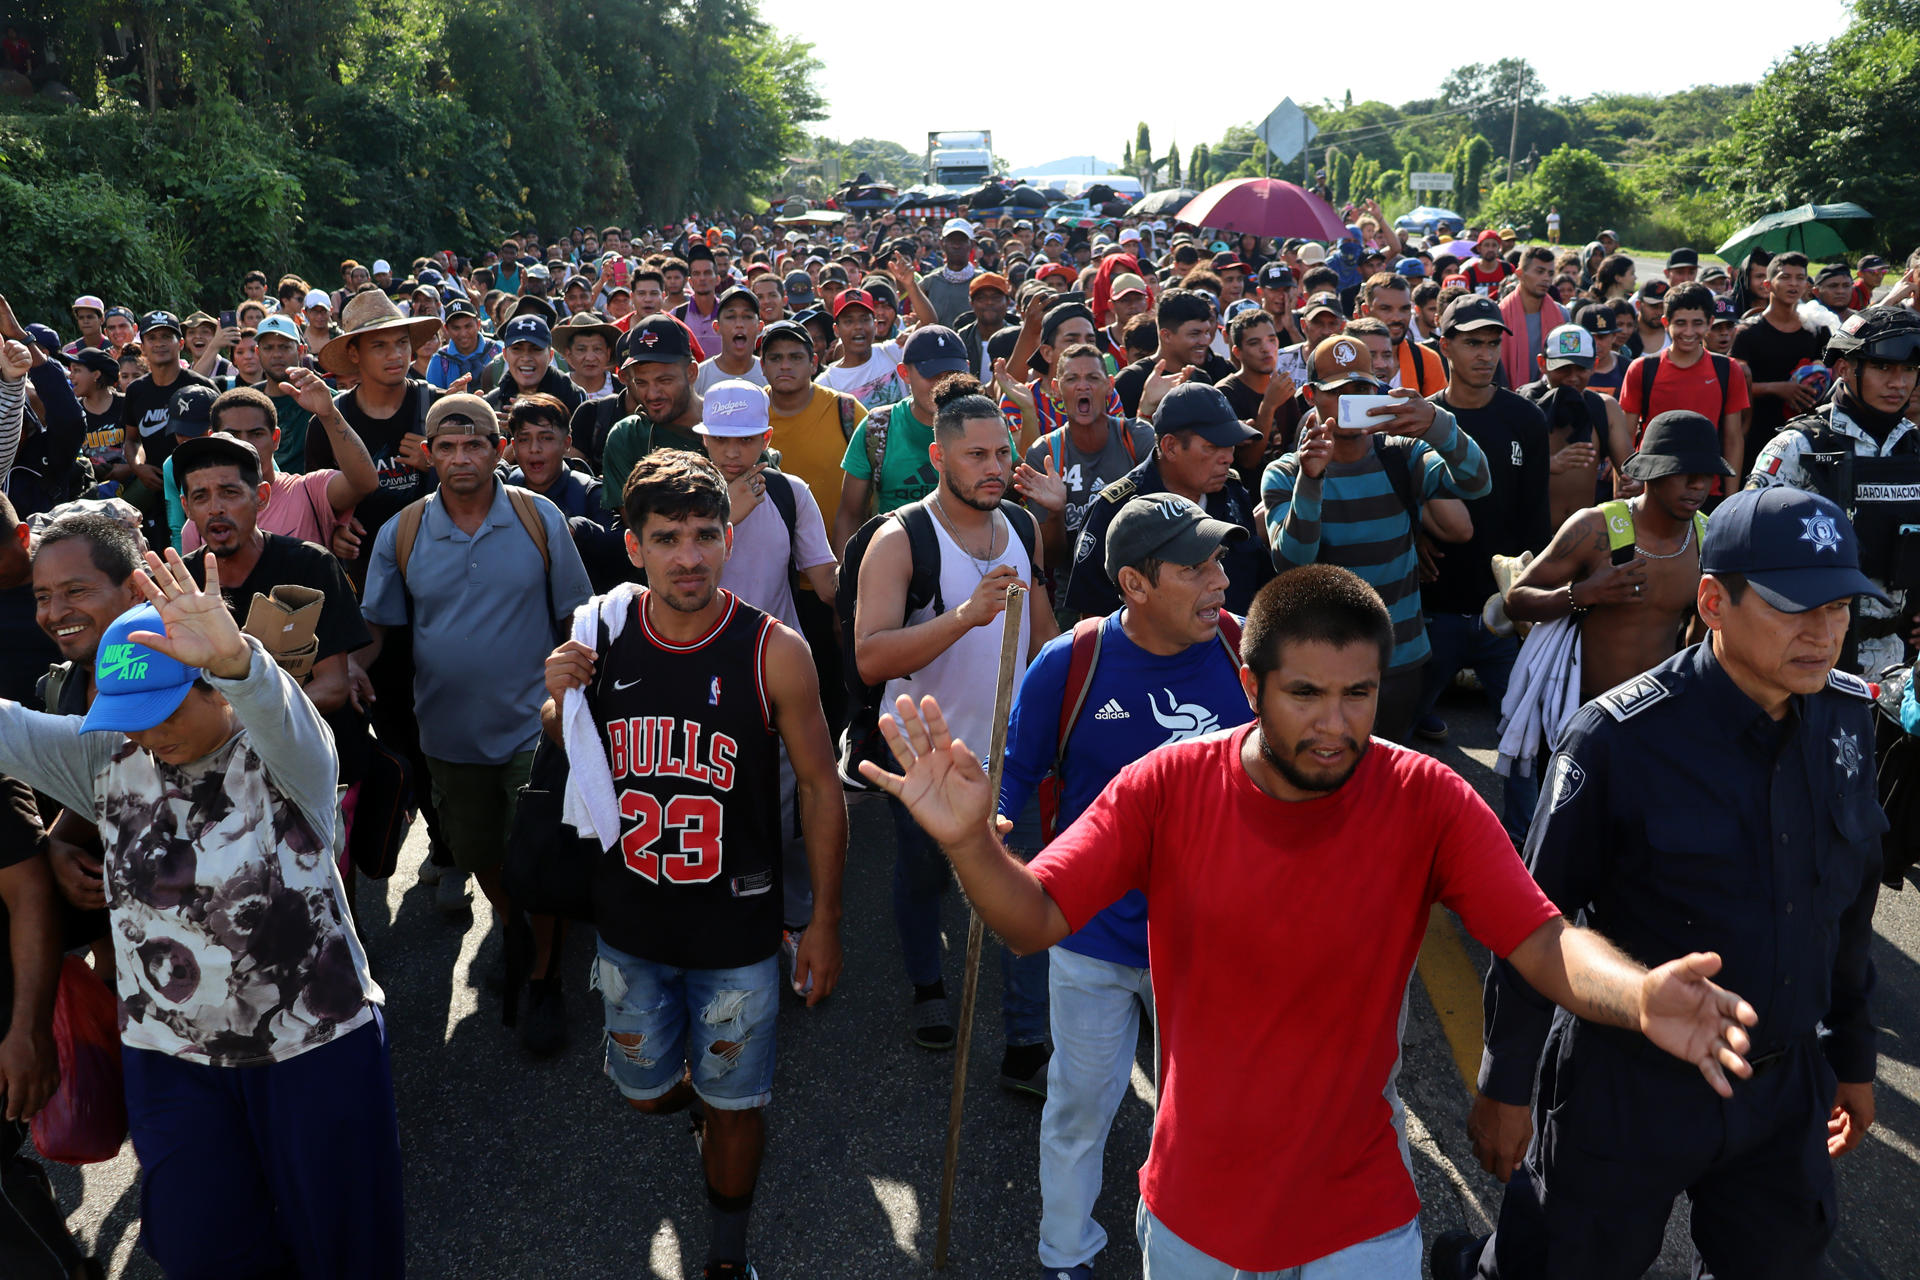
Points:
[(1352, 517), (13, 414)]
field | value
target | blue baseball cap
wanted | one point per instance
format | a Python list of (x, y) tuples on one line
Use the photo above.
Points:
[(1204, 410), (278, 326), (1411, 268), (933, 350), (527, 329), (1796, 549), (137, 687)]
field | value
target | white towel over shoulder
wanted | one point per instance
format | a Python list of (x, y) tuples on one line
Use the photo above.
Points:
[(589, 805), (1542, 694)]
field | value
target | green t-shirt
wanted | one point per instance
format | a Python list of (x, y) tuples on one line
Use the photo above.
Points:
[(907, 474), (633, 438), (291, 456)]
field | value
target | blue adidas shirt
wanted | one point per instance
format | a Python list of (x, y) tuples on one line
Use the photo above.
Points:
[(1135, 702)]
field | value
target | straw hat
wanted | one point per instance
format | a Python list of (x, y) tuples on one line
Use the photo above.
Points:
[(370, 311)]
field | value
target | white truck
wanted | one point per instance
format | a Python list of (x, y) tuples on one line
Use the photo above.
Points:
[(959, 157)]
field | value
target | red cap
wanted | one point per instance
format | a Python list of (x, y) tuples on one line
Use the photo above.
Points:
[(854, 298)]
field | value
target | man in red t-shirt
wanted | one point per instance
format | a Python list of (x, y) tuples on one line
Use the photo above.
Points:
[(1485, 273), (1288, 867), (1686, 376)]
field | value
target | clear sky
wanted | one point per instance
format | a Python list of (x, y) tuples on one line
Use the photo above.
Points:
[(1103, 55)]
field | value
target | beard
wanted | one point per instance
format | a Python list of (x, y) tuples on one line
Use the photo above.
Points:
[(1293, 775), (992, 504)]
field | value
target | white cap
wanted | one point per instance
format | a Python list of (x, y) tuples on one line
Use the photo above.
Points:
[(1130, 234), (735, 407), (1312, 252), (961, 225), (380, 266), (1158, 224), (316, 298)]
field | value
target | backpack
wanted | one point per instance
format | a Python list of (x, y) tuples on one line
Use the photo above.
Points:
[(1618, 518), (1056, 444), (1650, 371), (407, 532), (1397, 461), (861, 739), (1083, 658)]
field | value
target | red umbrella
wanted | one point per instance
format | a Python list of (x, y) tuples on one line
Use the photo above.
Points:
[(1264, 207)]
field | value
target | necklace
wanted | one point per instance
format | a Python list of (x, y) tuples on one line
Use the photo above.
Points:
[(1686, 540), (980, 563)]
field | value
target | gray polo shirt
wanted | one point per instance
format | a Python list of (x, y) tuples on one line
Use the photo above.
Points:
[(481, 633)]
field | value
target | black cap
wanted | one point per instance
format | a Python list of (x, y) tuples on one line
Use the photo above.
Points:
[(1276, 275), (1472, 311), (1322, 302), (1594, 318), (460, 307), (1651, 291), (736, 292), (1683, 257), (1724, 311), (1678, 442), (98, 360), (658, 339), (1203, 410), (1165, 526), (1873, 262), (159, 320), (190, 411), (216, 449), (1796, 549), (1833, 271), (792, 330)]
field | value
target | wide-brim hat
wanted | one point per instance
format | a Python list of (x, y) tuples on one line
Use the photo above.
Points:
[(1678, 442), (371, 311), (585, 324)]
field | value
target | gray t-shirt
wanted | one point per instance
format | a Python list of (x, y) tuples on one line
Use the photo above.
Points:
[(1086, 474)]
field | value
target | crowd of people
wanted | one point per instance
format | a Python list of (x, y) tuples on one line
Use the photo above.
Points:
[(733, 511)]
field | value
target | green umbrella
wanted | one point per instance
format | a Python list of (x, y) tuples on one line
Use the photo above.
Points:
[(1824, 232)]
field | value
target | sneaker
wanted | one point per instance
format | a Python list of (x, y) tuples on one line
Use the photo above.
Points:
[(931, 1023), (1430, 728), (1455, 1255), (543, 1022), (1023, 1069), (1081, 1272), (451, 895), (730, 1271), (790, 956)]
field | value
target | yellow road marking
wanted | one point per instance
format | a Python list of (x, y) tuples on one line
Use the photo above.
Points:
[(1453, 984)]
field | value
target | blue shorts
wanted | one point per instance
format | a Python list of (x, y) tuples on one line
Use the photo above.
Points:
[(719, 1022)]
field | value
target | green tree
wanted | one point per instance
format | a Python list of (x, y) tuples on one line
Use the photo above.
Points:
[(1588, 194), (1478, 155), (1834, 122), (1173, 164), (1197, 167)]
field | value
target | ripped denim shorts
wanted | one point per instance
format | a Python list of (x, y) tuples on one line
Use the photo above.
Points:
[(662, 1020)]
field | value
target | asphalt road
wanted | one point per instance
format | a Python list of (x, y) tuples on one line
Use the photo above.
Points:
[(521, 1168)]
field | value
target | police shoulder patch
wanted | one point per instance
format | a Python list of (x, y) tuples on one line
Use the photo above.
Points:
[(1119, 491), (1625, 701), (1847, 682)]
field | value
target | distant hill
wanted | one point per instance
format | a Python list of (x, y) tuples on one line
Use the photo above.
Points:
[(1071, 164)]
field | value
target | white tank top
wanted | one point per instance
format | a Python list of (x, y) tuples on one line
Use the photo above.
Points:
[(963, 678)]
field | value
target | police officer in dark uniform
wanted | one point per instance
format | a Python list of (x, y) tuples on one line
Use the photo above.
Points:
[(1723, 801), (1862, 451)]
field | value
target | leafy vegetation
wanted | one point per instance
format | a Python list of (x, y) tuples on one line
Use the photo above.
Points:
[(241, 133)]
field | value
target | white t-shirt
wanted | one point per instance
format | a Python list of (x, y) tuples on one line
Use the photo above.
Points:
[(711, 372), (874, 383), (757, 569)]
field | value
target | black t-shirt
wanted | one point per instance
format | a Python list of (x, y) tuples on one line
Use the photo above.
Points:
[(1514, 517), (25, 650), (1132, 380), (1244, 399), (21, 837), (1773, 355), (288, 561), (400, 484), (552, 383), (593, 421), (106, 438), (144, 410)]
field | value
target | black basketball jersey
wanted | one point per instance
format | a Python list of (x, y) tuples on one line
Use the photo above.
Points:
[(688, 728)]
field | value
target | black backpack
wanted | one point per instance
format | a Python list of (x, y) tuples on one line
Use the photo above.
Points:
[(861, 739)]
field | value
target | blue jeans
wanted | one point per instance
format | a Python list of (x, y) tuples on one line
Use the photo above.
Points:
[(1460, 640), (291, 1168), (1095, 1011), (1394, 1255), (659, 1004), (920, 875)]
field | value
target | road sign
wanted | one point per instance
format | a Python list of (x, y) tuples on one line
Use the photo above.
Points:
[(1430, 181), (1286, 131)]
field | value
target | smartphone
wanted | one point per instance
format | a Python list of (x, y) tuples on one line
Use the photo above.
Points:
[(226, 319), (1355, 411)]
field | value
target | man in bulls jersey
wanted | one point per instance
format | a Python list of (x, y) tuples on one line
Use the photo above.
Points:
[(690, 697)]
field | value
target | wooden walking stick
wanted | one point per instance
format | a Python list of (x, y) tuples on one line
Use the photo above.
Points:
[(976, 932)]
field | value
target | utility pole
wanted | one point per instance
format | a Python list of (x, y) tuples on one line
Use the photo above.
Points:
[(1513, 138)]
